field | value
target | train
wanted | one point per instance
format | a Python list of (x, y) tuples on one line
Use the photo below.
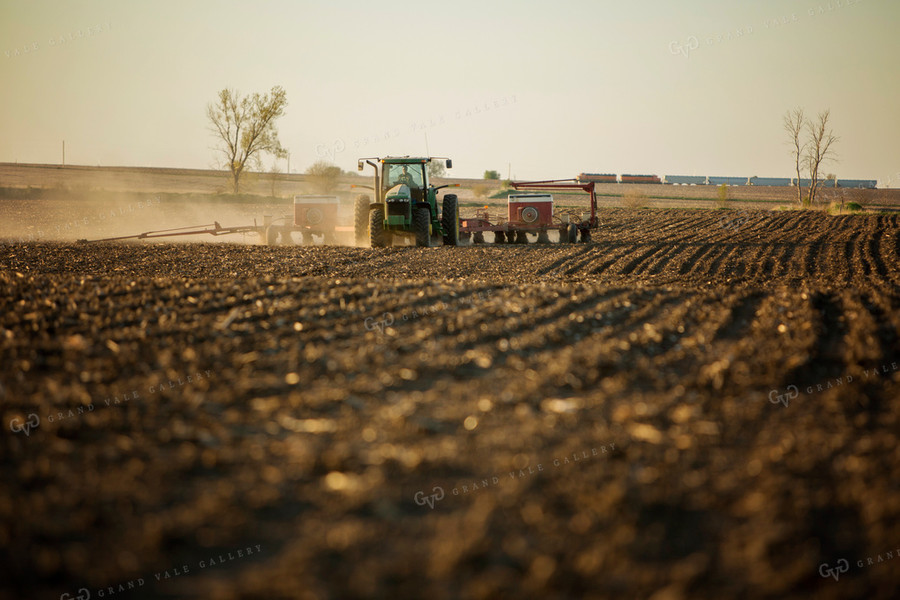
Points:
[(640, 179), (867, 184)]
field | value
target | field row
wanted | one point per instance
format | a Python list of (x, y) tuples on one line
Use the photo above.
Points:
[(320, 409)]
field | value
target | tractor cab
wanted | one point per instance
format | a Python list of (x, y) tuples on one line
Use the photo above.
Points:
[(412, 176)]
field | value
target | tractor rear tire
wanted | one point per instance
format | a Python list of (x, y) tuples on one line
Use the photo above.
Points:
[(377, 235), (499, 237), (450, 220), (422, 227), (543, 238), (478, 238), (571, 233), (361, 219)]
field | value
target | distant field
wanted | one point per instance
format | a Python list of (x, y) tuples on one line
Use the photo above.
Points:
[(281, 185)]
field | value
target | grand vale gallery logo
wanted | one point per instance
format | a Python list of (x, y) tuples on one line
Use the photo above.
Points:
[(166, 575), (836, 571), (843, 566), (17, 425), (792, 392), (469, 487)]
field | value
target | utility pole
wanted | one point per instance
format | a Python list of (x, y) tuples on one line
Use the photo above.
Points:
[(289, 163), (64, 153)]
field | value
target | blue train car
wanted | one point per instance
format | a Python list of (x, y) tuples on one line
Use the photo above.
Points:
[(685, 179), (771, 181), (866, 184), (805, 182), (727, 180)]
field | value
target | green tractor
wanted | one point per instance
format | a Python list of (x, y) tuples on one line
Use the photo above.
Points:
[(405, 204)]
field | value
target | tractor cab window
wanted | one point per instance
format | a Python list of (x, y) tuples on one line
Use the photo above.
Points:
[(410, 175)]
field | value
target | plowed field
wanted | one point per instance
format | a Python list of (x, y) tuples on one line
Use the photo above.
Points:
[(699, 404)]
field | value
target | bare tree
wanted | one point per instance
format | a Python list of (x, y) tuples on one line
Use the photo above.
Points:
[(323, 176), (812, 152), (246, 128), (793, 125), (819, 150)]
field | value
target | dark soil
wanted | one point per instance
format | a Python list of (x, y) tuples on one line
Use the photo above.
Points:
[(700, 404)]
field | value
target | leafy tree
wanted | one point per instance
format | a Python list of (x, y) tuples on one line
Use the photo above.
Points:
[(323, 176), (722, 201), (491, 175), (436, 169), (245, 128)]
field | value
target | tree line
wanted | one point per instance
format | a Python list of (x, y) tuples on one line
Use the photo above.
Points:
[(245, 130)]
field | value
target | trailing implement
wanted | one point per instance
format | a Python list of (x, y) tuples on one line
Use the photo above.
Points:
[(533, 214)]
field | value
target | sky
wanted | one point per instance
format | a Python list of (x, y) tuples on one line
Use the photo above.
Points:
[(530, 89)]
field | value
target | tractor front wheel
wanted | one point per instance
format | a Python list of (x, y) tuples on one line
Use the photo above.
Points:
[(450, 220), (377, 237), (422, 226)]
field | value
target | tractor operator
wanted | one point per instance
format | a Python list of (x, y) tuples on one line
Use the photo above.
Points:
[(405, 178)]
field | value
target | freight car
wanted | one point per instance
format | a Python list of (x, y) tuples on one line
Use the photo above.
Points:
[(685, 179), (640, 179), (771, 181), (727, 180), (866, 184), (869, 184), (806, 182), (598, 178)]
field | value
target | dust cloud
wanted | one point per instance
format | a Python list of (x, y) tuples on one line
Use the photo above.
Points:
[(40, 203)]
